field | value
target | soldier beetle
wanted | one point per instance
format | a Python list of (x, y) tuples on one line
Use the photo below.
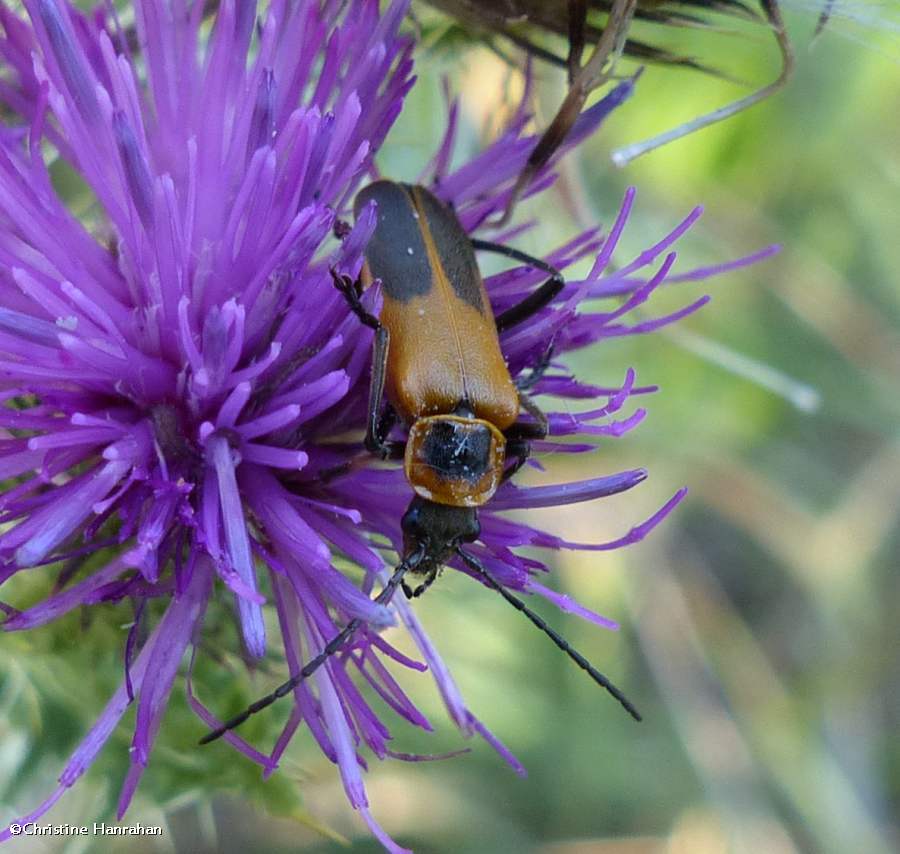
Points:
[(437, 359)]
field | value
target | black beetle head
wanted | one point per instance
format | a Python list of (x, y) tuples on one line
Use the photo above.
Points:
[(437, 529)]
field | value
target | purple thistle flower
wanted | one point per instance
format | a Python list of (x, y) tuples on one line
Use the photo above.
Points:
[(175, 373)]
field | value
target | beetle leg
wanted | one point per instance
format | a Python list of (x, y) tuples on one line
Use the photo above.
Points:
[(524, 431), (537, 429), (520, 450), (521, 434), (376, 439), (384, 426), (537, 413), (537, 372), (532, 304), (378, 423), (536, 300), (352, 291)]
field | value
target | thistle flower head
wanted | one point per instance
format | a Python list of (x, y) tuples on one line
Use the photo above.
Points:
[(176, 365)]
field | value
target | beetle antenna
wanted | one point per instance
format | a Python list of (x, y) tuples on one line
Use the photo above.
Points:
[(559, 640), (340, 640)]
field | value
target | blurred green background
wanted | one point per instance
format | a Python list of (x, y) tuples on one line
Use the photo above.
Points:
[(759, 624)]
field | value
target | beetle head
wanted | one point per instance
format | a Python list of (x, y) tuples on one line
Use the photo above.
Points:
[(437, 529)]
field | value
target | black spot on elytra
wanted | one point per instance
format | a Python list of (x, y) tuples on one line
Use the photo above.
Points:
[(397, 255), (396, 252), (454, 248)]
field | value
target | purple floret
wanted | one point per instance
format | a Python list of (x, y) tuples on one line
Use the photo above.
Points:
[(176, 366)]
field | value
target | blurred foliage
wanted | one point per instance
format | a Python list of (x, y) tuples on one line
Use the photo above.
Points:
[(759, 623), (542, 26)]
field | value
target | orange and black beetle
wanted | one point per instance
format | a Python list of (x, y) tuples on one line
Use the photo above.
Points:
[(437, 358)]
